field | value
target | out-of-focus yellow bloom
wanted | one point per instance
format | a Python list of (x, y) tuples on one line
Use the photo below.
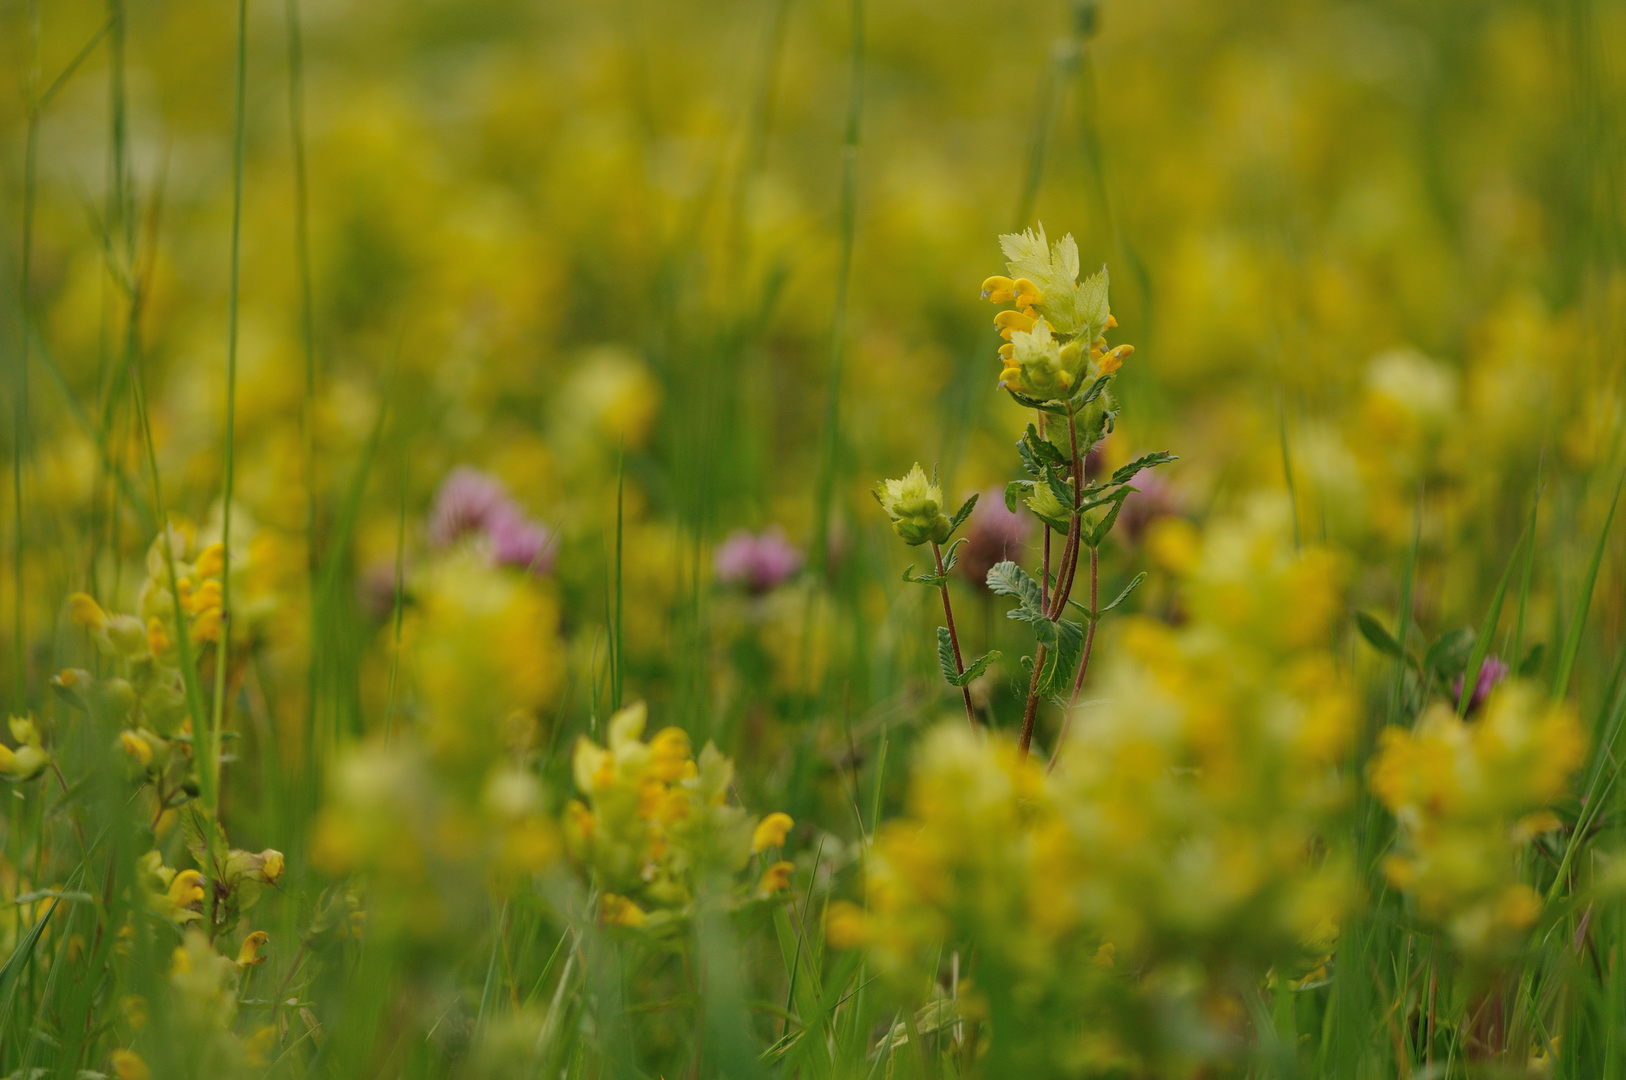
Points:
[(771, 830), (775, 879), (1467, 798), (616, 910), (128, 1065), (84, 611)]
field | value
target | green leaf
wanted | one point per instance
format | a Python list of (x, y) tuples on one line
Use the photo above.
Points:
[(952, 555), (1055, 408), (1104, 526), (1008, 579), (962, 513), (1131, 587), (1146, 461), (1449, 654), (1043, 450), (934, 581), (1060, 488), (1062, 655), (1090, 392), (945, 660), (1014, 491), (1378, 637)]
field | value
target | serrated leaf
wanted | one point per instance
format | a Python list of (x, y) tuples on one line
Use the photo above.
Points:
[(1061, 658), (1043, 450), (1377, 636), (1090, 392), (1104, 526), (1005, 578), (933, 580), (945, 660), (1145, 461), (1061, 489), (962, 513), (1134, 584), (1057, 408), (952, 555)]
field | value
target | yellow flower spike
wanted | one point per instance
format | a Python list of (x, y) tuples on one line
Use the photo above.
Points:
[(128, 1065), (136, 747), (157, 640), (998, 290), (186, 889), (775, 879), (771, 830), (616, 910), (211, 561), (1026, 293), (1008, 322), (248, 954), (207, 626), (85, 611)]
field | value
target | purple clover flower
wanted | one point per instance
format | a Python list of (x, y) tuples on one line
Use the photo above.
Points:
[(1491, 672), (756, 563), (472, 503)]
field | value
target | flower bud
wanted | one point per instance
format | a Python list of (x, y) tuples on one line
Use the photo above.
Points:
[(915, 505)]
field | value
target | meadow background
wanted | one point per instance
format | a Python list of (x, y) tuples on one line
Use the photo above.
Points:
[(667, 271)]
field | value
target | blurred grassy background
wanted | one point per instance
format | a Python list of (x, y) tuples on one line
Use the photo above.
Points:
[(1372, 250)]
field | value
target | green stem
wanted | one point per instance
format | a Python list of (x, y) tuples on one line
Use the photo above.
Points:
[(954, 637)]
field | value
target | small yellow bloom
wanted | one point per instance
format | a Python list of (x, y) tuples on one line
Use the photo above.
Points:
[(616, 910), (186, 889), (84, 611), (1026, 294), (771, 830), (775, 879), (207, 626), (157, 640), (998, 289), (248, 954), (127, 1065), (1008, 322), (137, 747), (211, 561)]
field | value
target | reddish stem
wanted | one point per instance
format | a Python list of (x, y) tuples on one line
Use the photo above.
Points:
[(954, 637)]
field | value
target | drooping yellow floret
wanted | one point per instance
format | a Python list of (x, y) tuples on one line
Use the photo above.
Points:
[(771, 830), (84, 611), (776, 878)]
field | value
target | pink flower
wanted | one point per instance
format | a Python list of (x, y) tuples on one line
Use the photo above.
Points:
[(757, 562), (1491, 672), (473, 504), (465, 504)]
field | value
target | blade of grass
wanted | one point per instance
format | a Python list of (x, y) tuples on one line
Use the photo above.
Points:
[(1487, 630), (1517, 656), (1572, 639)]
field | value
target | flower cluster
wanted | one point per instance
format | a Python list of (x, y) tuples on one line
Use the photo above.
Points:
[(1469, 796), (656, 823), (1181, 836), (756, 562), (915, 505), (1055, 333)]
